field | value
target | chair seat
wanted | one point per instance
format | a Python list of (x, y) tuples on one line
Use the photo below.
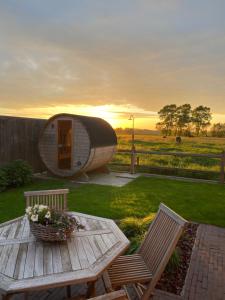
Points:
[(129, 269)]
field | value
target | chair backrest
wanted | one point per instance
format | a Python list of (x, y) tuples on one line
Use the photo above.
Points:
[(53, 198), (160, 242)]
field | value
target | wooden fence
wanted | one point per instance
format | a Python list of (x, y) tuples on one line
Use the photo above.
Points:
[(135, 161), (19, 140)]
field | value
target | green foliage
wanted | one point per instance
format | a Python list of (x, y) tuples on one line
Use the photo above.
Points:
[(135, 243), (182, 119), (167, 117), (135, 229), (218, 130), (14, 174), (133, 226), (174, 261), (3, 180), (201, 117), (179, 120)]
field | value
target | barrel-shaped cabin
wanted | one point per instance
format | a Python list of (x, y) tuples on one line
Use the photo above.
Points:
[(72, 144)]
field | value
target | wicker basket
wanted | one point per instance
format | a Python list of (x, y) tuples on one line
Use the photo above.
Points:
[(49, 233)]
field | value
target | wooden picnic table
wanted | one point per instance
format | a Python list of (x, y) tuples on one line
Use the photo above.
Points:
[(27, 264)]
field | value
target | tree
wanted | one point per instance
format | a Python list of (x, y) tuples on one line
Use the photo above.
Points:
[(201, 117), (183, 119), (167, 116), (218, 130)]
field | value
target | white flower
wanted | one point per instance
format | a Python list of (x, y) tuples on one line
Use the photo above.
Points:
[(48, 215), (34, 218), (28, 209), (42, 207)]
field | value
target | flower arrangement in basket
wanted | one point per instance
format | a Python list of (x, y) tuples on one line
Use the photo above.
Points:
[(51, 225)]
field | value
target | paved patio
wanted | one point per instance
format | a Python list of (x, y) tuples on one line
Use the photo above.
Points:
[(117, 179), (205, 278), (206, 275)]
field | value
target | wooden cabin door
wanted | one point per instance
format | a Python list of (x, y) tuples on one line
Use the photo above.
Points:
[(64, 144)]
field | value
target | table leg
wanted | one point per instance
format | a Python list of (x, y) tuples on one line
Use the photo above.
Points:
[(91, 292), (7, 297), (68, 291), (26, 296)]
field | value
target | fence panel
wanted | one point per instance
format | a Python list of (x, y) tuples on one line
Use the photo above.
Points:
[(19, 140), (136, 163)]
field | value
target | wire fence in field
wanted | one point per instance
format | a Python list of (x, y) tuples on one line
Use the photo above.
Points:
[(203, 165)]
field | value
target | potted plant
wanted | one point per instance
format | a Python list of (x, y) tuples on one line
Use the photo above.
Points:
[(49, 224)]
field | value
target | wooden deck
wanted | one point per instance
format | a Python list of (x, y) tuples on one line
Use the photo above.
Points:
[(205, 278)]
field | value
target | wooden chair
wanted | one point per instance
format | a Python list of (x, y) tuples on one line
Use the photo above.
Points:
[(53, 198), (144, 268)]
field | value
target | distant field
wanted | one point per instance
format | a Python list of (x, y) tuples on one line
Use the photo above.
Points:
[(158, 143)]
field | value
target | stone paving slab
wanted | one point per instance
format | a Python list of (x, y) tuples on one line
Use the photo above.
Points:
[(205, 279), (161, 295), (112, 179), (206, 274)]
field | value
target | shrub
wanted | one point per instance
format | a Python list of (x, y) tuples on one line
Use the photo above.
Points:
[(135, 243), (3, 180), (14, 174), (133, 226), (135, 229), (174, 261)]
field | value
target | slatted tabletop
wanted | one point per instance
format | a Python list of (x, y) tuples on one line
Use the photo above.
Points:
[(27, 264)]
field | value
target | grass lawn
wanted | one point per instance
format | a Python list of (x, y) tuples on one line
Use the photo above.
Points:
[(200, 202)]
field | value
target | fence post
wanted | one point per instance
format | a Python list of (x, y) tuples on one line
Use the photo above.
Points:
[(132, 160), (138, 160), (222, 165)]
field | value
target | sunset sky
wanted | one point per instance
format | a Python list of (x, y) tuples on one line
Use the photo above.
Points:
[(111, 58)]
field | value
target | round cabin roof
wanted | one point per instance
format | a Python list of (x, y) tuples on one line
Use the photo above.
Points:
[(100, 132)]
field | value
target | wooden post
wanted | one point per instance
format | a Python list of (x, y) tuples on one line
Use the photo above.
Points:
[(138, 160), (68, 291), (132, 163), (7, 297), (91, 291), (222, 165)]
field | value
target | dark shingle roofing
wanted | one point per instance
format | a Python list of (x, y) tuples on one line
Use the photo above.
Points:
[(100, 132)]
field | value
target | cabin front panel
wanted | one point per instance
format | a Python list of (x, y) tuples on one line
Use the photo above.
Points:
[(49, 147)]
